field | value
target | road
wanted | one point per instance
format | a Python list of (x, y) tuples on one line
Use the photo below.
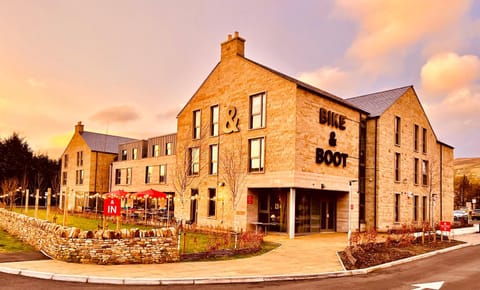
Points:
[(457, 270)]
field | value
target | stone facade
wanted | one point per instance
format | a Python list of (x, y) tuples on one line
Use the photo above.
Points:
[(85, 168), (93, 247), (418, 202)]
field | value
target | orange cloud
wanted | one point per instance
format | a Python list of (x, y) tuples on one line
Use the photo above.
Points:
[(449, 72), (116, 114), (387, 27)]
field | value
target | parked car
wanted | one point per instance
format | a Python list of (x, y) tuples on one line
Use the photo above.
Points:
[(459, 214), (476, 214)]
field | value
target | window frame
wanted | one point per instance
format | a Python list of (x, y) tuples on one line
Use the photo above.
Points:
[(118, 176), (398, 130), (397, 165), (396, 211), (416, 167), (169, 148), (134, 153), (424, 141), (194, 165), (425, 172), (123, 155), (162, 173), (148, 174), (213, 160), (65, 161), (196, 124), (214, 120), (64, 177), (416, 132), (262, 112), (128, 176), (212, 203), (415, 208), (260, 158), (155, 150)]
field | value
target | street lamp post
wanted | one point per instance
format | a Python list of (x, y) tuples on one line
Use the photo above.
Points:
[(350, 210)]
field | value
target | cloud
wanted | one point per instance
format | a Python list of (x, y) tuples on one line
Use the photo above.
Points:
[(169, 114), (449, 72), (391, 28), (36, 83), (116, 114), (331, 79)]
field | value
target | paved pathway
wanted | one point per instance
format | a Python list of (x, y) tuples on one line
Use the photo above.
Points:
[(303, 257)]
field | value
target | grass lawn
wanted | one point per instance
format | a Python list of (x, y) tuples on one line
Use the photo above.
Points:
[(193, 243), (10, 244)]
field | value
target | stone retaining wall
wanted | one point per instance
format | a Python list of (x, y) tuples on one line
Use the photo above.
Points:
[(93, 247)]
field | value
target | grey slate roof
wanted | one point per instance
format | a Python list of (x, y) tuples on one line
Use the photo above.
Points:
[(103, 142), (377, 103)]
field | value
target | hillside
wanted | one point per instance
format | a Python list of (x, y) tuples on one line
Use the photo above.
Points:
[(469, 167)]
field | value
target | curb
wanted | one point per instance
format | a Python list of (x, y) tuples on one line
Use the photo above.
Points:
[(219, 280)]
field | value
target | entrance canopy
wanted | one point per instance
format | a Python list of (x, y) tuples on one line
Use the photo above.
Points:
[(149, 193)]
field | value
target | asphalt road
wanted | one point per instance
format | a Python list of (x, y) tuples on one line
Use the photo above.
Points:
[(458, 270)]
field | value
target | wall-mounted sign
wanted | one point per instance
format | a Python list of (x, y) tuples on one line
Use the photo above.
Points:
[(249, 199), (231, 122), (332, 119), (330, 157)]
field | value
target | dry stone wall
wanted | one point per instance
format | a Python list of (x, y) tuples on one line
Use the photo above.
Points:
[(93, 247)]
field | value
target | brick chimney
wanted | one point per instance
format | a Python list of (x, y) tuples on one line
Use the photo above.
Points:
[(79, 128), (233, 46)]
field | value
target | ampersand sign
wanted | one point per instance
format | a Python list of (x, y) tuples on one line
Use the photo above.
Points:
[(231, 124)]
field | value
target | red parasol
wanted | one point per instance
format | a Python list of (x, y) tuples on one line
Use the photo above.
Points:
[(149, 193), (117, 194)]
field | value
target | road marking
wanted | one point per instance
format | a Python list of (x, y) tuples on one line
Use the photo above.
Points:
[(431, 285)]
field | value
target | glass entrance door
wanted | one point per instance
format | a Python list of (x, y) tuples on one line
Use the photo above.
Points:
[(314, 212)]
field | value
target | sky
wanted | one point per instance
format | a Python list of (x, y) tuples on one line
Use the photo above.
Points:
[(128, 67)]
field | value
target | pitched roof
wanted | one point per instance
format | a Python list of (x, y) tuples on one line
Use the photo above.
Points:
[(103, 142), (379, 102), (308, 87)]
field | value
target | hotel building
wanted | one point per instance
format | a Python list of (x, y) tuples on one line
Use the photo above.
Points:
[(257, 148)]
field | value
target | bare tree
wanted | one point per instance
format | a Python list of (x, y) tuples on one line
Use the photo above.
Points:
[(182, 179), (9, 188), (233, 172), (56, 186)]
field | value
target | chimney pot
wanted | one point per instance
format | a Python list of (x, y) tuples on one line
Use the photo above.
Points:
[(236, 34), (229, 37), (233, 46)]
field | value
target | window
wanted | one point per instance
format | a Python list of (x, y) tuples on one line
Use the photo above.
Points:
[(214, 120), (124, 154), (424, 140), (194, 160), (65, 161), (397, 207), (118, 176), (425, 172), (169, 148), (415, 170), (415, 208), (128, 179), (398, 129), (80, 158), (148, 174), (397, 167), (134, 153), (257, 149), (155, 151), (163, 173), (213, 159), (79, 177), (196, 124), (415, 138), (257, 111), (64, 178), (212, 203), (424, 208)]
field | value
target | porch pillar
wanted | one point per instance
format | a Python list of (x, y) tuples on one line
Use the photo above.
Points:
[(291, 214)]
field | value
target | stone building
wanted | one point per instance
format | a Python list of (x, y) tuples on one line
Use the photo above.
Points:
[(145, 164), (265, 149), (409, 173), (256, 148), (85, 169)]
